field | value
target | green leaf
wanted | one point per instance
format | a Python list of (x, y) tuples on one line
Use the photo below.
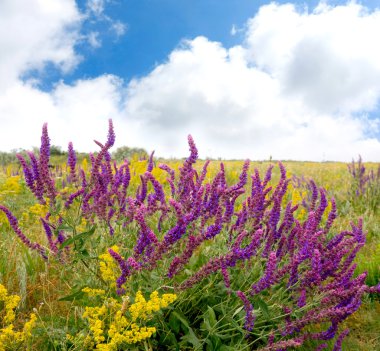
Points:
[(181, 318), (262, 306), (211, 316), (174, 323), (77, 237), (237, 311), (191, 338), (77, 295), (64, 227)]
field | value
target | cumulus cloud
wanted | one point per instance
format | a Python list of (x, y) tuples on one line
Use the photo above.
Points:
[(329, 58), (76, 113), (47, 33), (36, 32), (298, 87)]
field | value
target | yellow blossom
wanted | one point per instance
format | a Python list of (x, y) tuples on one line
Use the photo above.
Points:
[(93, 292), (109, 269), (8, 336)]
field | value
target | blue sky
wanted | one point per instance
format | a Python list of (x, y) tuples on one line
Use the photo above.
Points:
[(291, 80), (155, 27)]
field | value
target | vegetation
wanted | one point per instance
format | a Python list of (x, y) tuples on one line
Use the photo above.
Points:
[(187, 255)]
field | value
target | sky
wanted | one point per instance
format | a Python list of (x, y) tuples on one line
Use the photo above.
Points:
[(247, 79)]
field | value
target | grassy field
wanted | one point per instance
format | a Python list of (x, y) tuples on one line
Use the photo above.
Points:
[(51, 289)]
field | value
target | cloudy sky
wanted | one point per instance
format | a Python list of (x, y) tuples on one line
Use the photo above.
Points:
[(248, 79)]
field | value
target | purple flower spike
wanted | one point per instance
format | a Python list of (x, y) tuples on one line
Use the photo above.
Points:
[(35, 168), (49, 236), (339, 341), (243, 177), (111, 134), (269, 277), (193, 151), (302, 299), (29, 179), (72, 197), (44, 164), (316, 266), (159, 191), (72, 161), (249, 316), (124, 267), (150, 163)]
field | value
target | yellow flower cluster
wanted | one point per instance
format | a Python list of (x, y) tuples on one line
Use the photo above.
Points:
[(143, 309), (327, 211), (94, 314), (8, 336), (34, 213), (109, 269), (10, 303), (93, 292), (116, 322), (11, 186), (82, 225), (84, 165)]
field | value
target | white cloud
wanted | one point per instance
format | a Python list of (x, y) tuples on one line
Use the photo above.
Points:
[(93, 39), (46, 32), (96, 6), (119, 28), (233, 30), (97, 9), (298, 87), (329, 58), (35, 32), (76, 113)]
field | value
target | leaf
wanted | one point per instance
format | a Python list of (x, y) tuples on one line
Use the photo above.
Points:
[(80, 236), (263, 307), (211, 316), (191, 338), (64, 227), (77, 295), (174, 323), (237, 311), (182, 319)]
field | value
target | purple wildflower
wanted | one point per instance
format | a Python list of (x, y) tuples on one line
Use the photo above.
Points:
[(49, 235), (249, 316), (124, 267), (150, 163), (338, 343), (269, 277), (72, 161)]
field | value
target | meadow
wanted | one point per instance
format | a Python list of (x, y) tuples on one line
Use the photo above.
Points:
[(151, 254)]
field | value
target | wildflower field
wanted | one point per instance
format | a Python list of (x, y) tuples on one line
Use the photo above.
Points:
[(150, 254)]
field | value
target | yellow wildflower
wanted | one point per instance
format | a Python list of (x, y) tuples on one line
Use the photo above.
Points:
[(93, 292), (109, 269), (8, 336), (28, 326)]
